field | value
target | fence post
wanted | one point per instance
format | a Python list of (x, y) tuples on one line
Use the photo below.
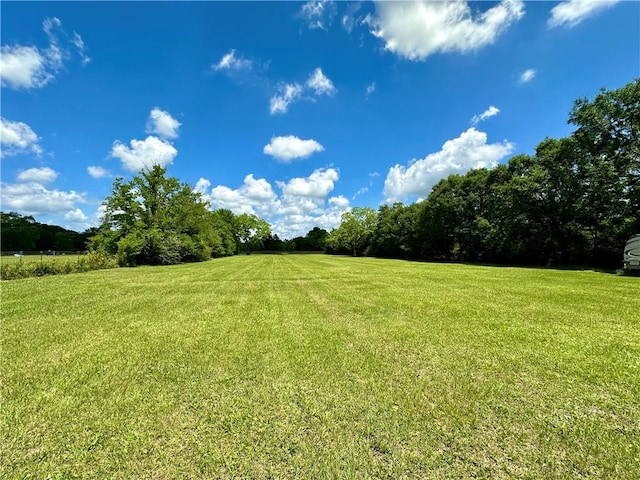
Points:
[(40, 258)]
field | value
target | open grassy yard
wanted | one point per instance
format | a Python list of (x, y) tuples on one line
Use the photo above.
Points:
[(310, 366)]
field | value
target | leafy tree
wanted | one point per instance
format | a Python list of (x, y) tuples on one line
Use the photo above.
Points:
[(251, 231), (314, 241), (153, 219), (395, 232), (355, 231), (24, 233), (608, 140), (18, 232)]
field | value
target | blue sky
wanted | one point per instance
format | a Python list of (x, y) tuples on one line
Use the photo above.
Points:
[(293, 111)]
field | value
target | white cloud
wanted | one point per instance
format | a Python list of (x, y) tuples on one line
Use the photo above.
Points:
[(289, 93), (98, 216), (349, 20), (318, 14), (572, 12), (317, 84), (291, 147), (229, 61), (39, 175), (340, 201), (162, 124), (35, 199), (488, 113), (527, 75), (301, 205), (23, 67), (469, 150), (256, 195), (415, 30), (98, 172), (201, 186), (17, 138), (317, 185), (48, 24), (320, 83), (360, 192), (75, 216), (370, 89), (29, 67), (144, 153), (257, 189), (79, 44)]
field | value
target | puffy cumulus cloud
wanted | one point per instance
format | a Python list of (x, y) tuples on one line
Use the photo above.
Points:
[(288, 93), (320, 83), (39, 175), (23, 67), (301, 205), (17, 138), (201, 186), (291, 147), (144, 153), (340, 201), (527, 75), (30, 67), (317, 185), (225, 197), (98, 172), (488, 113), (163, 124), (35, 199), (318, 14), (230, 61), (415, 30), (75, 216), (255, 196), (469, 150), (572, 12)]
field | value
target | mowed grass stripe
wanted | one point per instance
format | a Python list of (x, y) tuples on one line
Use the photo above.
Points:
[(311, 366)]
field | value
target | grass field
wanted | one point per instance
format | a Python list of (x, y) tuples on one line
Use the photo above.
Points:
[(287, 366)]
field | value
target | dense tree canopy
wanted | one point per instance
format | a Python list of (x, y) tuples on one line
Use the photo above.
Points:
[(23, 233), (575, 201), (154, 219)]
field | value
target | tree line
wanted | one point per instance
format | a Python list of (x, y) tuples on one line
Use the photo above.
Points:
[(22, 233), (573, 202)]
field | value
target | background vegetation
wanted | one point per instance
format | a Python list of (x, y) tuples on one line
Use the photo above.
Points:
[(574, 202)]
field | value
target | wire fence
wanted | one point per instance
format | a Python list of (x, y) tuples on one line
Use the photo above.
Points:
[(42, 256)]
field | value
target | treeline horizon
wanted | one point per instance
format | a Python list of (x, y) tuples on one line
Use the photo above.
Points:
[(574, 202), (22, 233)]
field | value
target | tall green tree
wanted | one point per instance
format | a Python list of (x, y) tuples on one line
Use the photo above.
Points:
[(608, 139), (154, 219), (355, 231), (251, 231)]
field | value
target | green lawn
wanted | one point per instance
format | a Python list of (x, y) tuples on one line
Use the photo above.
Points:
[(311, 366)]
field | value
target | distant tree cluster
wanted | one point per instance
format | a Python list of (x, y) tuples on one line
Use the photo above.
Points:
[(155, 220), (21, 233), (575, 201)]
